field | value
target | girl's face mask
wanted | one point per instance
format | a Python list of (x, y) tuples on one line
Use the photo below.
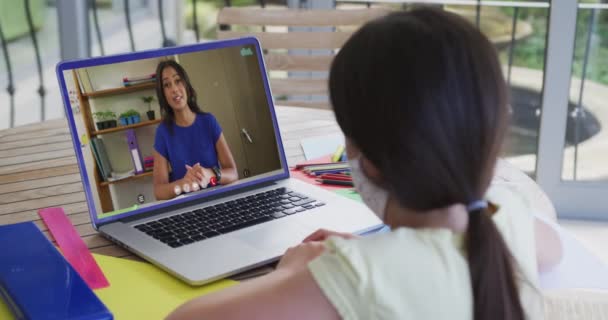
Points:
[(373, 196)]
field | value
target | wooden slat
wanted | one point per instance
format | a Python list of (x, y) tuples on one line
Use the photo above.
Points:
[(96, 241), (38, 174), (54, 201), (39, 183), (34, 142), (36, 134), (85, 230), (275, 61), (304, 131), (36, 165), (293, 40), (36, 149), (46, 125), (31, 215), (112, 250), (297, 17), (38, 193), (324, 105), (298, 86), (35, 157)]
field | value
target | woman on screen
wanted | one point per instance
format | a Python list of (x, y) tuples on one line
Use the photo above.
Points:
[(190, 151)]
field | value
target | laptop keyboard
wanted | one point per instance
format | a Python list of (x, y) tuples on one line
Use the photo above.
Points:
[(200, 224)]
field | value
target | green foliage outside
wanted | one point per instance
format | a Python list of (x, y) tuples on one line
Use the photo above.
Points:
[(13, 19), (206, 14), (530, 53)]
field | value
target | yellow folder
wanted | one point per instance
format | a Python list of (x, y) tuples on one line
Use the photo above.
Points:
[(140, 290)]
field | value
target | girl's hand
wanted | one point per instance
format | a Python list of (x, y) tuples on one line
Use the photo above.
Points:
[(299, 256), (323, 234)]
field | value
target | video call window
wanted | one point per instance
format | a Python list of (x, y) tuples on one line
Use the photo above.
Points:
[(129, 118)]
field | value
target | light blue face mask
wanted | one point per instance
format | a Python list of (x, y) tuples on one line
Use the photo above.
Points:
[(373, 196)]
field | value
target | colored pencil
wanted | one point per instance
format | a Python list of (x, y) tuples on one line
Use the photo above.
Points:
[(320, 172), (306, 164), (336, 166), (336, 182), (336, 177), (338, 154)]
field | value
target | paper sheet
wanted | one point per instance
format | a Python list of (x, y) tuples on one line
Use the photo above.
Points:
[(140, 290), (321, 146), (349, 193)]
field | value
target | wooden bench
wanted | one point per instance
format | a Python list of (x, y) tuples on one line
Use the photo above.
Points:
[(263, 23)]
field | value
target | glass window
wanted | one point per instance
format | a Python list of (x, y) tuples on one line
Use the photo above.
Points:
[(586, 140)]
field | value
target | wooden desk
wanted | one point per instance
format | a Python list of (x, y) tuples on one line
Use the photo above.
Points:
[(38, 169)]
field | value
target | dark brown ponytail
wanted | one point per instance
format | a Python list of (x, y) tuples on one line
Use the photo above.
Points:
[(491, 267), (421, 93)]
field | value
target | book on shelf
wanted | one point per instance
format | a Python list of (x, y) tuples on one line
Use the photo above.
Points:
[(115, 176), (103, 161), (133, 83), (84, 80), (139, 78), (134, 150), (96, 156), (135, 80)]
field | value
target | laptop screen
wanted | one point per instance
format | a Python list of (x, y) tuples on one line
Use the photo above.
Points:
[(145, 123)]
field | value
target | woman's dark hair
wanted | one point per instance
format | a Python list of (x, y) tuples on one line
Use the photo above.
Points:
[(165, 109), (422, 95)]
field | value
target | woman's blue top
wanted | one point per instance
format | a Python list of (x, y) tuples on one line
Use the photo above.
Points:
[(189, 145)]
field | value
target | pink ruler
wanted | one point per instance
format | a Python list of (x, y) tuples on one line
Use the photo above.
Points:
[(73, 248)]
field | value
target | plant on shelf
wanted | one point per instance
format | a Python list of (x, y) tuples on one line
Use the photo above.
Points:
[(130, 116), (150, 112), (105, 119)]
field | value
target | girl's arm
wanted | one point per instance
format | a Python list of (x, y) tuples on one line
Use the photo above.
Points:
[(290, 292)]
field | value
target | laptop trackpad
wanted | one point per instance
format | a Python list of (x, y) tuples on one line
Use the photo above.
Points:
[(275, 237)]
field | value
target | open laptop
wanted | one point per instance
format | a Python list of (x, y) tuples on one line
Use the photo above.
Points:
[(217, 231)]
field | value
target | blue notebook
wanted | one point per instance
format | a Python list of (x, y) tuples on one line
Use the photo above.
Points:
[(38, 283)]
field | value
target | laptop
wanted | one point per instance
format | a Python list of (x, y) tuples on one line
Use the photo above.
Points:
[(217, 231)]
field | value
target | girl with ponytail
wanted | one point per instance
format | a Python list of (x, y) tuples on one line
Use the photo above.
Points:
[(422, 101)]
